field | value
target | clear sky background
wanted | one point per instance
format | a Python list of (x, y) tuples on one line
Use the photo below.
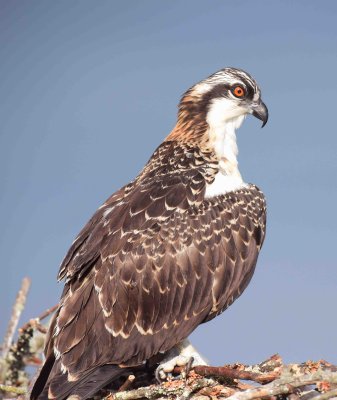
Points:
[(88, 89)]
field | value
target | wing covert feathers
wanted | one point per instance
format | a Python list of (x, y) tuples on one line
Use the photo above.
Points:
[(155, 261)]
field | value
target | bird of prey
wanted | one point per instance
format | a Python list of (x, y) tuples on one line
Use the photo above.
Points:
[(165, 253)]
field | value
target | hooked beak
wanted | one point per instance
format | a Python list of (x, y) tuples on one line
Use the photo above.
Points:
[(260, 111)]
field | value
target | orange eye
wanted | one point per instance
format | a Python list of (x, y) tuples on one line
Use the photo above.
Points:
[(238, 91)]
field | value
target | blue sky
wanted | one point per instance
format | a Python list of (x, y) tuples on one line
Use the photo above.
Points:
[(89, 89)]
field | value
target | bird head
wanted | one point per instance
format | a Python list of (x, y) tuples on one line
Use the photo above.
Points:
[(224, 98), (229, 93)]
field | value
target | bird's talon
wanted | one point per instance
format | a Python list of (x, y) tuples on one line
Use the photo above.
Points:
[(160, 375), (188, 366)]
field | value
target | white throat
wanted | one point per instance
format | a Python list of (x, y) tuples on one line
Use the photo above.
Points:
[(222, 133)]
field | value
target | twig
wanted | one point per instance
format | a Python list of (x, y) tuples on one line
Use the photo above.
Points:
[(152, 392), (127, 383), (16, 359), (285, 385), (17, 309), (263, 373), (327, 395), (231, 373), (12, 389), (46, 313), (35, 322)]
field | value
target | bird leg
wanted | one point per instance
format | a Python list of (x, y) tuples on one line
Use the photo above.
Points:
[(182, 354)]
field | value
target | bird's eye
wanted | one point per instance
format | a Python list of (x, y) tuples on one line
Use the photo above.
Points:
[(238, 91)]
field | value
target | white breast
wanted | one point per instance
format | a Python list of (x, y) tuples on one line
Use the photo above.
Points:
[(223, 184), (222, 133)]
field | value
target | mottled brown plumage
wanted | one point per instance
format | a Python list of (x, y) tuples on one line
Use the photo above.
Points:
[(155, 261)]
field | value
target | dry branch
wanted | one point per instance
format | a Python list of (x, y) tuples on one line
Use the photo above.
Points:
[(12, 389), (286, 385), (181, 390), (284, 381), (17, 309), (262, 373), (127, 383), (35, 322), (25, 351), (328, 395)]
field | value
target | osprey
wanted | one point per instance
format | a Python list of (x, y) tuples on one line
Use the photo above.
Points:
[(165, 253)]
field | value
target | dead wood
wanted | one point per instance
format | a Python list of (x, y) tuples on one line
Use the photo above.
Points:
[(17, 309)]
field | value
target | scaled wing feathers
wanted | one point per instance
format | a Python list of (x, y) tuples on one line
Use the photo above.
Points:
[(155, 261)]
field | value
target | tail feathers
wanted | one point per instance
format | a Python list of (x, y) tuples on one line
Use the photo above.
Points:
[(42, 379), (97, 380), (90, 382)]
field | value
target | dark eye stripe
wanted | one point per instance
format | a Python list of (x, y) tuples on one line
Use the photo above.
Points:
[(249, 89)]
